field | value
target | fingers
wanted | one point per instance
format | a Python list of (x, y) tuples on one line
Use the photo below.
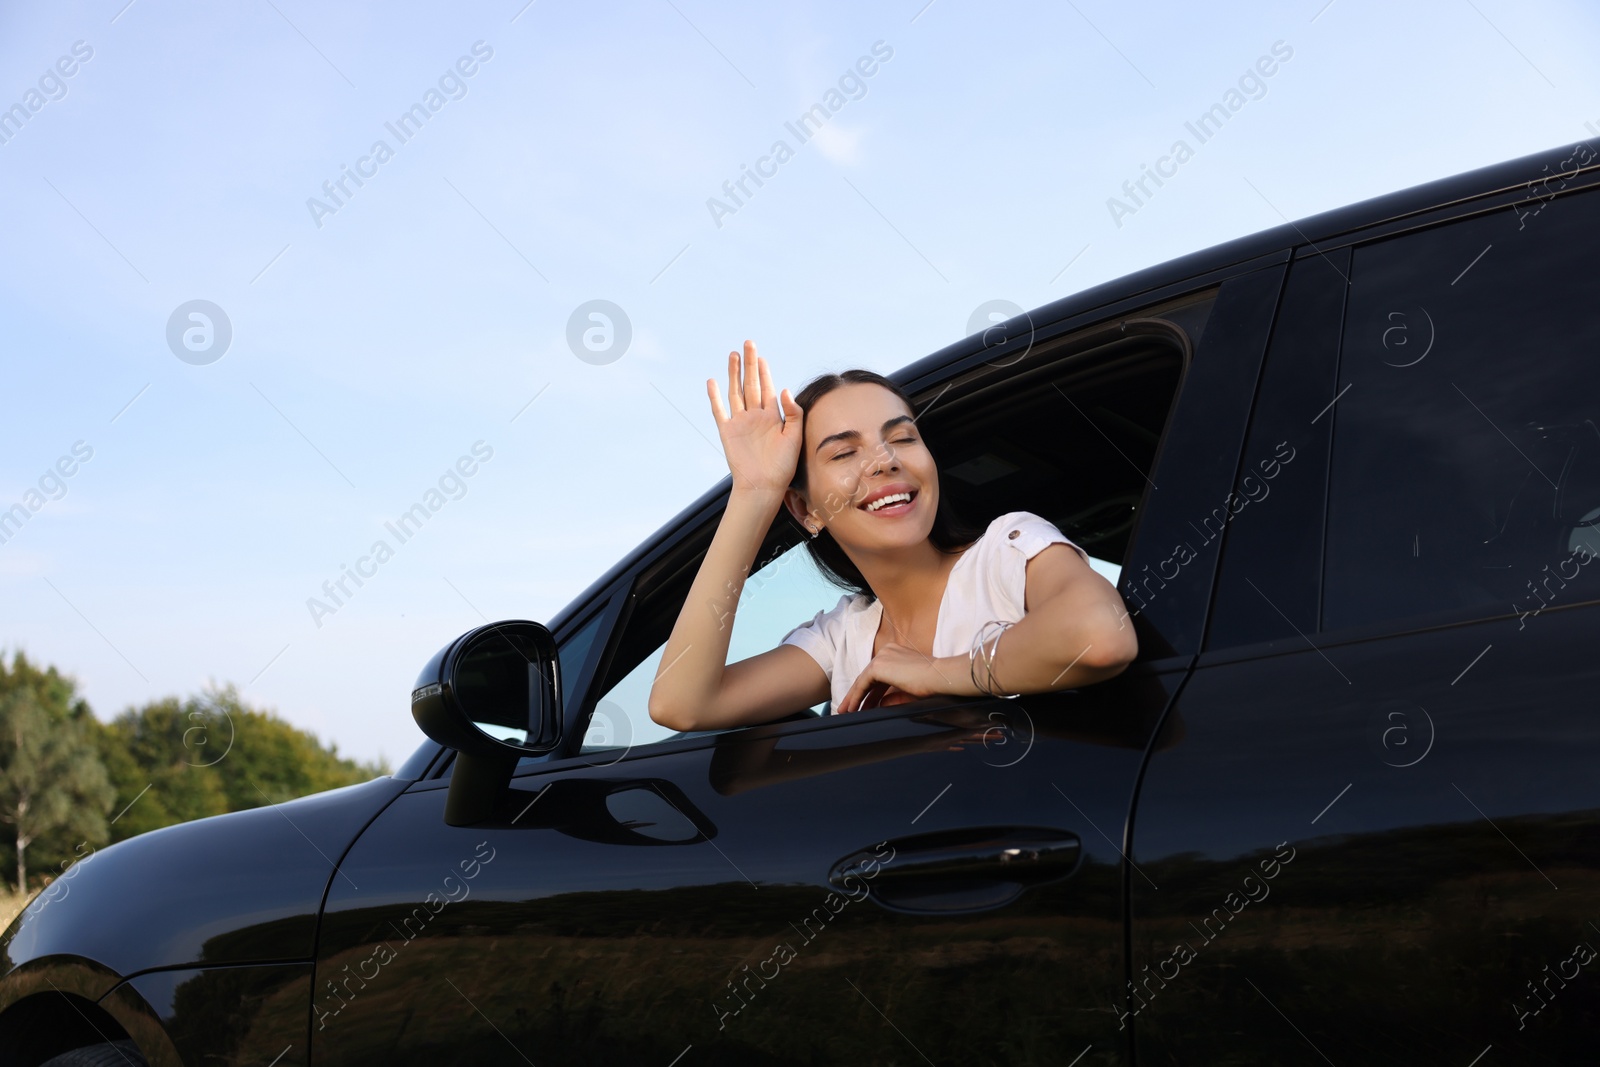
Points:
[(794, 418), (750, 387), (866, 692), (852, 697), (768, 393), (752, 377), (718, 411), (893, 696)]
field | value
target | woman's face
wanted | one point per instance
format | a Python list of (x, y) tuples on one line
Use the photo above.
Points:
[(861, 446)]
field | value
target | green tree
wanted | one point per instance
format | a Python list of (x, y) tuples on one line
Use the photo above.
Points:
[(213, 753), (53, 785), (159, 779), (63, 772)]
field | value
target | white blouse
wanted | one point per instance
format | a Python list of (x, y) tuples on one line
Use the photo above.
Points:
[(987, 582)]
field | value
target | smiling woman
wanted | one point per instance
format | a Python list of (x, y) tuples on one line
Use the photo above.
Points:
[(924, 592)]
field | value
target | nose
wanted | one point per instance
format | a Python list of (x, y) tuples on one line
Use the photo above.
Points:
[(885, 455)]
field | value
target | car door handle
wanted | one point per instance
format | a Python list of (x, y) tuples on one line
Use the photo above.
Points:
[(969, 869)]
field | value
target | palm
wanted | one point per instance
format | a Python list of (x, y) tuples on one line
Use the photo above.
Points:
[(762, 446)]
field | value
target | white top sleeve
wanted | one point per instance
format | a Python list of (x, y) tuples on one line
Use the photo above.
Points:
[(1016, 538), (823, 635), (1031, 534)]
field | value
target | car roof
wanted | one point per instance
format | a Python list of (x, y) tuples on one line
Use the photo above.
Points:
[(1312, 230)]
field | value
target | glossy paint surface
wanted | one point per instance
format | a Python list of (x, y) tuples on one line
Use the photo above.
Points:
[(694, 896), (236, 888), (227, 1016), (1445, 844)]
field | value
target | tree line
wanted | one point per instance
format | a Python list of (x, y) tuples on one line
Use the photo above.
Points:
[(70, 783)]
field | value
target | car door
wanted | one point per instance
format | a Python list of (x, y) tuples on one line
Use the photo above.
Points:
[(1378, 841), (940, 880)]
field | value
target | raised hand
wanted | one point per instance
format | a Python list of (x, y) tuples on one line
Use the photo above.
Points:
[(762, 446)]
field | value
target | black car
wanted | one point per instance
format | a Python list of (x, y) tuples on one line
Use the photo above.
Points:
[(1344, 808)]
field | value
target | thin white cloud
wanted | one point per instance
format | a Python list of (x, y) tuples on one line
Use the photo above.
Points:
[(839, 143)]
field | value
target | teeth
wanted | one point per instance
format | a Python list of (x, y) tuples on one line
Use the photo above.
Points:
[(885, 501)]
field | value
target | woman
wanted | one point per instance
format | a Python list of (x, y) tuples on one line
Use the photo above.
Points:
[(928, 603)]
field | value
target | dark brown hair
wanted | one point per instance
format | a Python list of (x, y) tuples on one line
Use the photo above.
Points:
[(950, 532)]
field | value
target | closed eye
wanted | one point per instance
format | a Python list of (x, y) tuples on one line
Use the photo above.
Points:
[(851, 452)]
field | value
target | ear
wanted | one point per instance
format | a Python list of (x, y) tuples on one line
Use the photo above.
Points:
[(795, 501)]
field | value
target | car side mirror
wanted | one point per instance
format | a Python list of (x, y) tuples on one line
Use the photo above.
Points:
[(493, 695)]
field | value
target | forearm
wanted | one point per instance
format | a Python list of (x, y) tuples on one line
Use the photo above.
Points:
[(1063, 645), (692, 663)]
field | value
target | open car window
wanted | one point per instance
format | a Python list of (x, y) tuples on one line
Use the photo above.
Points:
[(1069, 432), (774, 600)]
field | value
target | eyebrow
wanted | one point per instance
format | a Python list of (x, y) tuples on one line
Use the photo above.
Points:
[(855, 435)]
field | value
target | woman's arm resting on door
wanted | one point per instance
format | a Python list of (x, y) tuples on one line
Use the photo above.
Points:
[(1074, 631)]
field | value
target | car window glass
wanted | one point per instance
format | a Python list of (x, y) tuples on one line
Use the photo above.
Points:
[(1465, 476), (1272, 555), (574, 655), (774, 600)]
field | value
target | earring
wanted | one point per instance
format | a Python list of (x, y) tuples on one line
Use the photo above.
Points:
[(813, 530)]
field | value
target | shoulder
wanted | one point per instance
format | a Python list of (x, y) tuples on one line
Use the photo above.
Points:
[(828, 634), (849, 604), (836, 618), (1028, 533)]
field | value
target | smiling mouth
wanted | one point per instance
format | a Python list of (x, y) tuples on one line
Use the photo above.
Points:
[(893, 504)]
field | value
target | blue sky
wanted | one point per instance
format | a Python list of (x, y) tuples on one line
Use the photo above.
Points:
[(378, 338)]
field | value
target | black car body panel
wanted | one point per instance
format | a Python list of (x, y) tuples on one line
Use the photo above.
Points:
[(629, 909), (241, 888), (241, 1014)]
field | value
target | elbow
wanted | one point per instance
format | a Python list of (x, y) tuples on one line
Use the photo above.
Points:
[(1112, 649), (663, 714)]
